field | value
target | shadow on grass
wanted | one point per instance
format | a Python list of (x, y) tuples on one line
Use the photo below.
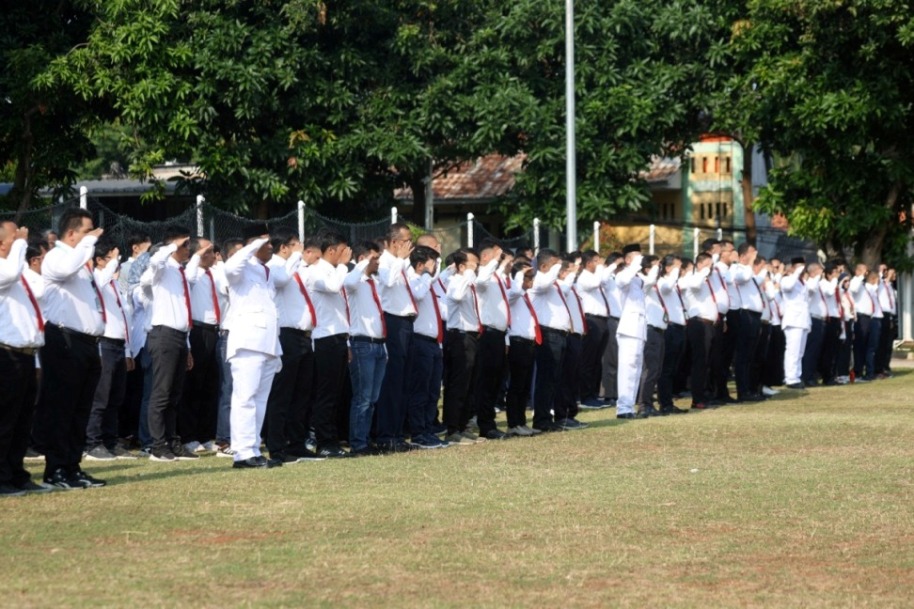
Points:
[(143, 471)]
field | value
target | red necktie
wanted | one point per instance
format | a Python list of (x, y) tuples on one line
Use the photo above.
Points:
[(212, 285), (565, 302), (34, 302), (409, 291), (476, 306), (377, 301), (346, 302), (304, 293), (117, 298), (438, 316), (98, 294), (536, 323), (190, 321), (504, 297), (713, 297), (580, 309), (266, 270)]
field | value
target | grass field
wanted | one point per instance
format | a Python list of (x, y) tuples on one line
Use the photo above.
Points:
[(797, 502)]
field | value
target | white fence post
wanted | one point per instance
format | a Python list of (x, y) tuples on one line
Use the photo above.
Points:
[(536, 236), (696, 235), (596, 236), (393, 215), (200, 200), (301, 220), (720, 234), (83, 197), (470, 240), (652, 238)]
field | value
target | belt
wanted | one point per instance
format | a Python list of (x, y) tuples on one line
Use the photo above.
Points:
[(22, 350), (117, 342), (491, 329), (707, 322), (576, 334), (203, 326), (751, 312), (299, 332), (614, 317), (655, 328), (170, 330), (431, 339), (548, 330), (596, 316), (468, 333), (404, 317), (88, 338), (521, 339), (343, 337), (367, 339)]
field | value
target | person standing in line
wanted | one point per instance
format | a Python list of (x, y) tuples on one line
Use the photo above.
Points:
[(703, 317), (568, 395), (869, 322), (138, 244), (614, 309), (200, 403), (423, 387), (888, 302), (170, 319), (253, 348), (632, 333), (831, 340), (292, 391), (223, 446), (657, 319), (724, 342), (670, 297), (495, 314), (331, 341), (550, 305), (525, 336), (70, 361), (761, 355), (21, 335), (849, 318), (367, 336), (773, 373), (749, 328), (796, 322), (463, 329), (589, 286), (818, 313), (116, 358), (400, 310)]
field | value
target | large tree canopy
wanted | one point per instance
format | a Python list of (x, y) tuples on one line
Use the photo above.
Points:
[(828, 89)]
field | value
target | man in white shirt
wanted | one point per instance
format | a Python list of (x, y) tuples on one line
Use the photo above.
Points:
[(868, 327), (888, 302), (293, 386), (525, 336), (610, 364), (71, 366), (671, 299), (632, 333), (170, 321), (367, 335), (589, 286), (21, 334), (229, 248), (749, 329), (657, 317), (331, 337), (796, 322), (703, 317), (117, 360), (565, 407), (253, 348), (818, 314)]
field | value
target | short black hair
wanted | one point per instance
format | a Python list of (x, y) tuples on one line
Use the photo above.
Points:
[(230, 243), (312, 243), (330, 239), (422, 254), (363, 247), (72, 219), (588, 255), (137, 239), (394, 231), (612, 257), (281, 237), (520, 264), (103, 247), (488, 243), (743, 248), (175, 231), (702, 257), (33, 250), (545, 256), (707, 244)]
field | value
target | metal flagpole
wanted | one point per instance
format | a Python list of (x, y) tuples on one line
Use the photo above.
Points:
[(571, 230)]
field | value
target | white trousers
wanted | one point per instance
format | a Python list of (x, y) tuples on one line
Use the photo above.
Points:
[(631, 360), (252, 377), (793, 354)]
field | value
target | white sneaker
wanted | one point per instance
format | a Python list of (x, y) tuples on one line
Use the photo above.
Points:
[(225, 451), (766, 390), (193, 447)]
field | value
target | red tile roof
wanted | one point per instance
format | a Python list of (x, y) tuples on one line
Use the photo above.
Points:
[(484, 179)]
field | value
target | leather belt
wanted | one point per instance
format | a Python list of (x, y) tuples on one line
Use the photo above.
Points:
[(22, 350), (367, 339)]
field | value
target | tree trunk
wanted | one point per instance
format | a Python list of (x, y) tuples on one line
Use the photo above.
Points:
[(871, 248), (22, 184), (418, 184)]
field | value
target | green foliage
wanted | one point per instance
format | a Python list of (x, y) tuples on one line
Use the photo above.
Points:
[(829, 90)]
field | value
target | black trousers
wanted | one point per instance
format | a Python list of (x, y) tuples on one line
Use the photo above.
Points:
[(720, 368), (390, 411), (592, 349), (845, 349), (102, 427), (128, 419), (831, 343), (70, 369), (291, 394), (550, 361), (521, 358), (200, 406), (459, 366), (866, 342), (749, 329), (773, 375), (762, 352), (18, 387), (611, 360), (168, 351), (489, 373), (566, 401), (331, 363), (674, 340), (654, 347), (887, 335), (423, 387), (813, 350), (700, 334)]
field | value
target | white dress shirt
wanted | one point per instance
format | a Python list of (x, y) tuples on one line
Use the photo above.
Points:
[(611, 291), (170, 291), (365, 313), (669, 298), (139, 326), (795, 311), (426, 322), (575, 306), (589, 286), (632, 287), (205, 293), (549, 300), (463, 303), (866, 301), (20, 321), (523, 324), (492, 293), (116, 305), (252, 320), (439, 287), (719, 284), (295, 302), (71, 299), (325, 284), (888, 299), (395, 291), (832, 299), (701, 302)]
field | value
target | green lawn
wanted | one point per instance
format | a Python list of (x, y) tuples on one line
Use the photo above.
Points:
[(798, 502)]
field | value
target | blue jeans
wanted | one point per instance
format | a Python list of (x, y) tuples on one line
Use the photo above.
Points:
[(366, 371), (223, 426)]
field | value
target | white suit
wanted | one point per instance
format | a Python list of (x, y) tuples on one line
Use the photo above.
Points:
[(632, 332), (795, 322)]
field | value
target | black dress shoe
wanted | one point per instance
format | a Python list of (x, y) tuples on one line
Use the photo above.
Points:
[(494, 434), (796, 386), (700, 406), (251, 463), (672, 410), (275, 462), (627, 415)]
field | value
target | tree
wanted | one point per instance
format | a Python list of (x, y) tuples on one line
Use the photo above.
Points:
[(42, 129), (829, 91)]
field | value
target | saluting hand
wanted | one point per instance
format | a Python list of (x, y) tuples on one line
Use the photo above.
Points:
[(204, 249), (22, 233), (97, 233)]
